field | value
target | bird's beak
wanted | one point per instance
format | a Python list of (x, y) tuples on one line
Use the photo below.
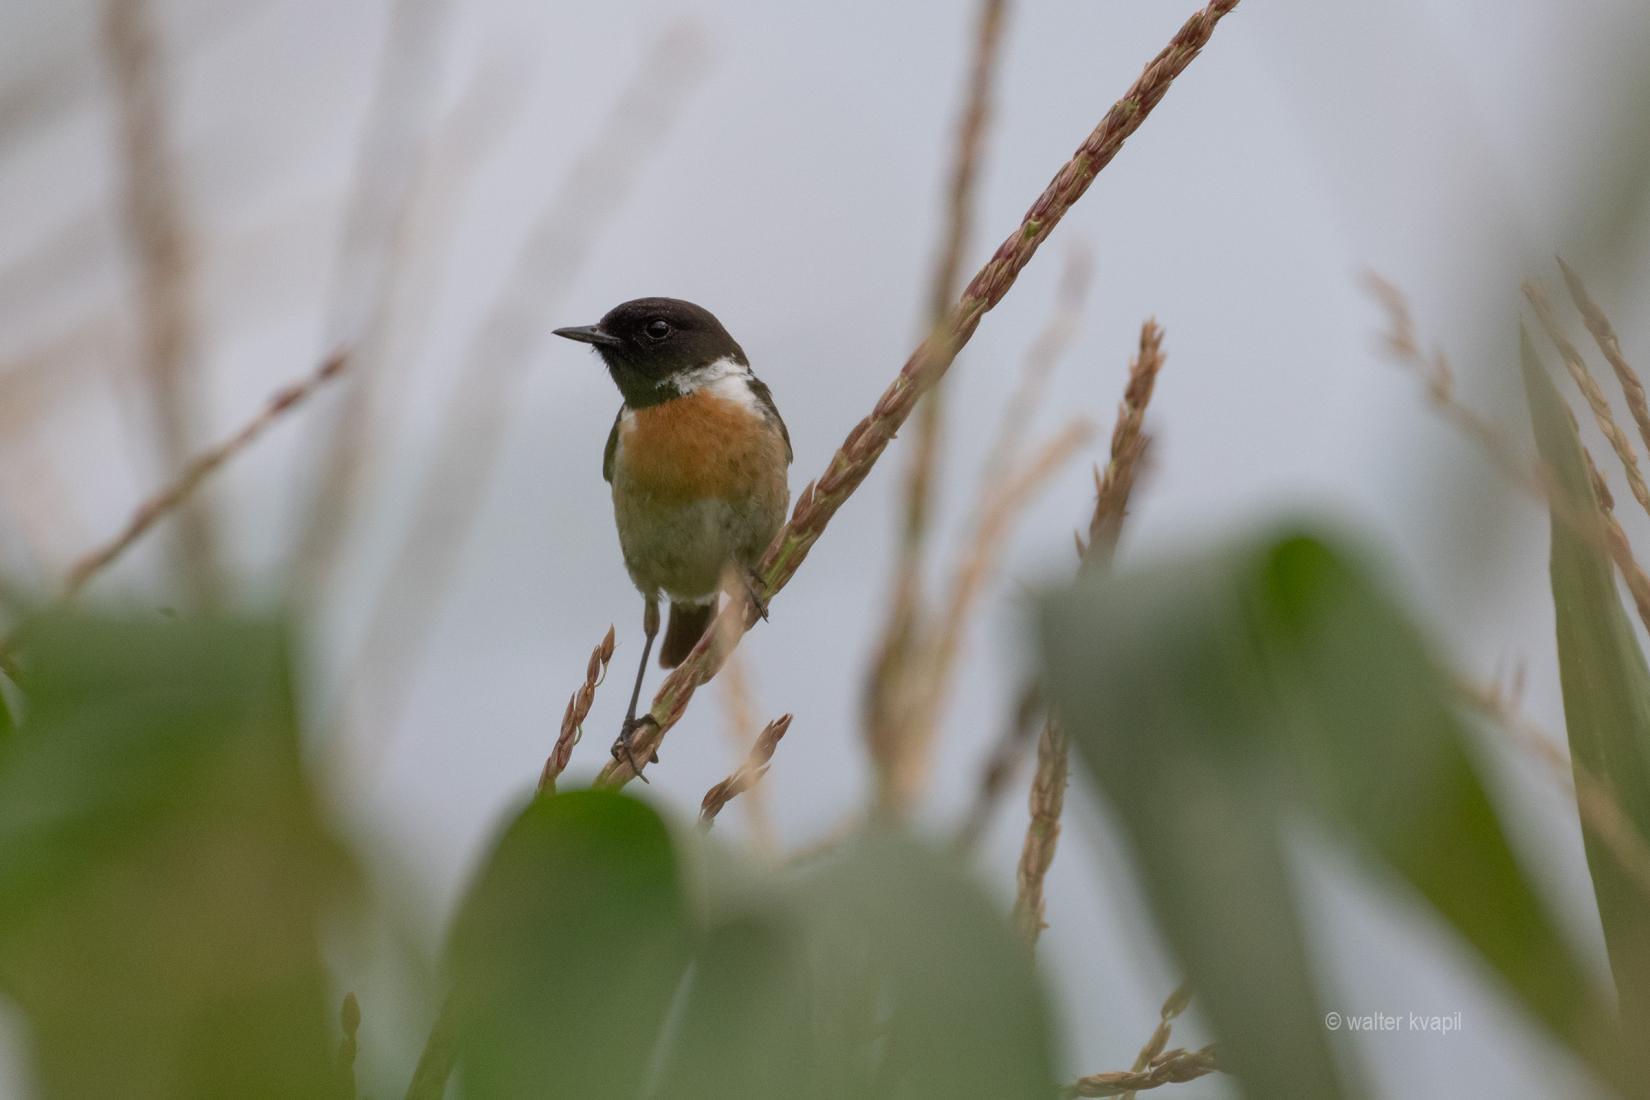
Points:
[(589, 334)]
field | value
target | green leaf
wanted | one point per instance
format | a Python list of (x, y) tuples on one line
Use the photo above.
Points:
[(568, 950), (1162, 693), (744, 1028), (1606, 692), (8, 722), (1217, 699), (163, 870), (880, 973), (579, 972), (912, 957)]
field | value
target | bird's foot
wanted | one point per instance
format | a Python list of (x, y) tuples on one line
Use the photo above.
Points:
[(753, 590), (623, 747)]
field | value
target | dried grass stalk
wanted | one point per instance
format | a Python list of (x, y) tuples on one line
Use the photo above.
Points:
[(966, 156), (994, 778), (739, 705), (1171, 1010), (748, 774), (1597, 525), (1045, 352), (1174, 1068), (1594, 800), (578, 708), (1128, 445), (1591, 392), (395, 162), (1616, 544), (1113, 489), (196, 470), (154, 224), (1047, 801), (1403, 347), (910, 754), (890, 682), (899, 700), (819, 501), (1604, 334)]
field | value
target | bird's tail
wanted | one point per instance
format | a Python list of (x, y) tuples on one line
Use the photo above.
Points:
[(688, 623)]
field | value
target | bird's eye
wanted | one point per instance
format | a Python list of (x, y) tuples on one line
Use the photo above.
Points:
[(657, 329)]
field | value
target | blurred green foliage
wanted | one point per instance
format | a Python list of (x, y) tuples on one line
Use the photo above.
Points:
[(162, 867), (591, 960), (1606, 694), (569, 949), (1223, 701), (167, 878)]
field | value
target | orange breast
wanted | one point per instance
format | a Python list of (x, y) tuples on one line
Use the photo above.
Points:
[(698, 446)]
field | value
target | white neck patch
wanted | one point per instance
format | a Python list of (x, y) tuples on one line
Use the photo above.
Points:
[(726, 378), (713, 376)]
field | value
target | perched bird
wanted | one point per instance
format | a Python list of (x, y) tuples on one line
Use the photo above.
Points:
[(697, 462)]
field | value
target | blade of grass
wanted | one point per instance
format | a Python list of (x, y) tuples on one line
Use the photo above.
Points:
[(1606, 690)]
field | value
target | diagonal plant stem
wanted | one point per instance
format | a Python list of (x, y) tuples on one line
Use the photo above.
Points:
[(1173, 1068), (195, 471), (890, 688), (1166, 1016), (578, 708), (1591, 392), (935, 666), (748, 774), (848, 468), (1604, 334)]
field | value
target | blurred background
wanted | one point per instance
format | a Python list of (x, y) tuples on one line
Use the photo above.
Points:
[(450, 552)]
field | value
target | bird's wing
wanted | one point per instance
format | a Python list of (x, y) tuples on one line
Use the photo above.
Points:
[(611, 449), (764, 397)]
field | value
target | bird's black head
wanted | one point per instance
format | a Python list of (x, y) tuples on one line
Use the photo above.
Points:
[(646, 342)]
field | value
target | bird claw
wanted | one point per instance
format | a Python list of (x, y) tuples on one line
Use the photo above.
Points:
[(622, 747), (757, 603)]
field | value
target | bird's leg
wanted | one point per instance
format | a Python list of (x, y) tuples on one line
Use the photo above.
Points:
[(650, 629)]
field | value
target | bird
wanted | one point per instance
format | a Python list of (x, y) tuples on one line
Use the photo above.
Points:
[(697, 461)]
